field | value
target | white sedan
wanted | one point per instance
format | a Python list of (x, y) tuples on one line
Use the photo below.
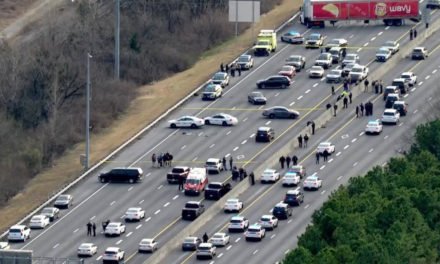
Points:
[(316, 72), (374, 127), (39, 221), (147, 245), (221, 120), (268, 222), (233, 205), (219, 239), (187, 121), (114, 228), (270, 175), (312, 183), (134, 214), (87, 249), (291, 177), (323, 146), (113, 254), (410, 77)]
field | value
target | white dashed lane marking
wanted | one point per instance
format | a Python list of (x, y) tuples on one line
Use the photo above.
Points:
[(415, 111), (292, 103), (148, 174), (160, 187), (330, 160), (420, 83), (175, 197), (412, 89), (427, 77), (129, 234), (380, 33), (351, 36), (148, 219), (194, 159), (354, 164), (272, 236), (371, 150), (212, 146), (141, 201), (405, 96), (290, 221), (158, 211), (119, 242), (229, 132), (93, 217), (434, 71), (308, 91), (353, 140), (340, 177), (183, 147), (385, 137), (387, 27), (131, 188), (139, 226), (253, 135), (76, 230), (112, 203), (244, 142), (56, 245), (165, 205), (401, 124), (346, 146), (99, 258), (268, 122), (322, 167), (366, 44), (360, 134), (238, 239), (359, 49), (373, 38), (245, 119), (322, 192), (316, 84), (277, 94), (299, 98), (220, 255), (307, 206), (339, 153), (255, 252), (229, 247), (235, 149)]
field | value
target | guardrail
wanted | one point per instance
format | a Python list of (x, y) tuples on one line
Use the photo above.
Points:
[(126, 143)]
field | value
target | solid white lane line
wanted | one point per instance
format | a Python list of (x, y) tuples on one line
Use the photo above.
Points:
[(244, 142), (158, 211), (160, 187), (131, 188), (141, 201), (354, 164), (268, 122), (129, 234), (292, 103), (346, 146), (229, 132), (316, 84), (235, 149), (119, 242), (238, 239), (148, 219), (212, 146), (253, 135), (371, 150), (299, 98), (308, 91), (175, 197), (183, 147), (139, 226), (165, 205), (307, 206), (339, 153)]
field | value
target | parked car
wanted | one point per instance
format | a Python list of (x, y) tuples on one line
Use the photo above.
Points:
[(178, 172), (282, 211), (270, 175), (334, 76), (402, 84), (268, 222), (401, 107), (323, 146), (299, 169), (39, 221), (288, 71), (257, 98), (19, 233), (383, 54), (391, 98), (374, 127), (238, 223), (214, 165), (339, 43), (419, 53), (191, 243), (291, 178), (113, 254), (220, 78), (233, 205), (114, 229), (51, 212), (216, 190), (122, 174), (392, 45), (293, 37), (147, 245), (390, 90), (277, 81), (316, 72), (265, 134), (409, 77), (337, 54), (134, 214), (255, 232), (298, 61), (280, 112), (390, 116), (187, 121), (314, 40), (221, 119), (219, 239), (350, 58), (294, 197), (245, 62), (64, 201), (358, 73), (192, 210), (312, 183), (206, 250), (325, 60), (212, 91), (87, 250), (347, 69)]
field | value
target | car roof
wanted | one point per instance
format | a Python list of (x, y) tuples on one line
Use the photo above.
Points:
[(86, 244), (312, 177), (205, 245), (270, 170), (237, 217), (255, 226), (406, 73), (264, 128), (112, 249), (267, 216), (317, 67), (390, 110), (296, 191), (293, 32), (281, 204), (399, 102), (18, 226), (315, 34), (147, 240), (325, 143), (213, 160), (233, 200), (374, 122), (399, 80), (393, 95)]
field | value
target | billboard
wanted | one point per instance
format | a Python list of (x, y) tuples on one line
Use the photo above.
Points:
[(363, 10)]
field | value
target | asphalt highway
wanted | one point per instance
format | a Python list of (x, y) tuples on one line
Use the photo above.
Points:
[(356, 153), (163, 203)]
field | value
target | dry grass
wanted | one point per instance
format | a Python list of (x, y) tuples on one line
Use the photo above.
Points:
[(12, 9), (151, 102)]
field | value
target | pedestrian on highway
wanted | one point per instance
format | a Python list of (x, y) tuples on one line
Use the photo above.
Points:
[(227, 68), (313, 127), (335, 108), (171, 160), (300, 141), (94, 229), (366, 83), (325, 155), (344, 51), (224, 163), (371, 107), (231, 160), (222, 68), (233, 70), (333, 90), (288, 160), (165, 159), (345, 102), (346, 85), (362, 109), (235, 174), (294, 160), (160, 159), (376, 87), (357, 111), (306, 139), (317, 157), (381, 86), (241, 173), (244, 174), (89, 228), (238, 69), (415, 33), (252, 178), (205, 238), (350, 97), (181, 180), (282, 160), (153, 159), (411, 34)]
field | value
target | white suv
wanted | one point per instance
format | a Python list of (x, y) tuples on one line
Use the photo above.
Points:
[(255, 232), (291, 177), (312, 183), (390, 116), (270, 175), (214, 165), (238, 223), (206, 250), (114, 254), (19, 233)]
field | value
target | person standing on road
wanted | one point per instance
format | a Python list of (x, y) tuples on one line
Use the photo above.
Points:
[(222, 68), (366, 83), (238, 69), (317, 157), (381, 86), (153, 160), (411, 34), (333, 90), (252, 178), (288, 160), (89, 228), (350, 96), (371, 108), (231, 161), (345, 102), (313, 127), (160, 159), (224, 163), (357, 111), (181, 182), (241, 173), (282, 160), (205, 238), (300, 141), (306, 139), (362, 109), (415, 33), (294, 160), (94, 229), (335, 108), (325, 155)]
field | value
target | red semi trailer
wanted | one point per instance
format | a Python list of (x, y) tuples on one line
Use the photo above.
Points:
[(392, 12)]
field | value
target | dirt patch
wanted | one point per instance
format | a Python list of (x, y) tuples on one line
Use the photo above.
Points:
[(151, 102)]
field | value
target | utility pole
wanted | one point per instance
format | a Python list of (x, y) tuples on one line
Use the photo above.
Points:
[(117, 30), (86, 162)]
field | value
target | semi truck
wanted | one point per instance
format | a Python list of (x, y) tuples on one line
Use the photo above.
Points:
[(391, 12)]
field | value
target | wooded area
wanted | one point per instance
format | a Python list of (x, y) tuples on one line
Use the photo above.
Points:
[(42, 86), (392, 215)]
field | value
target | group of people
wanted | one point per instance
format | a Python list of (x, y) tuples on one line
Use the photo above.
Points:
[(413, 33), (231, 69), (287, 159), (162, 160), (91, 229), (378, 86), (324, 154), (231, 163), (302, 141)]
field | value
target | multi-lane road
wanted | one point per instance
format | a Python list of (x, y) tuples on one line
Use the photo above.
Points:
[(163, 203)]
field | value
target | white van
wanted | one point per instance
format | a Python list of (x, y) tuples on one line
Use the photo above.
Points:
[(19, 233), (196, 181)]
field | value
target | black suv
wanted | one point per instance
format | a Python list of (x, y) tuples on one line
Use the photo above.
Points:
[(294, 197), (130, 175), (216, 190), (264, 134), (282, 211), (402, 84), (390, 90), (276, 81)]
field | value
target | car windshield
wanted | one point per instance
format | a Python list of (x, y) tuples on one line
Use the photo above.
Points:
[(316, 68), (109, 252), (46, 211), (257, 94), (356, 69), (334, 42), (350, 57), (335, 72), (210, 88), (406, 76), (189, 240), (243, 59), (113, 225), (265, 219), (211, 163), (389, 44), (286, 68), (323, 56), (63, 198), (296, 58), (214, 186), (218, 76), (254, 229), (217, 236), (314, 37), (324, 145), (388, 114), (263, 43), (383, 51), (132, 211), (193, 181), (236, 221), (204, 248)]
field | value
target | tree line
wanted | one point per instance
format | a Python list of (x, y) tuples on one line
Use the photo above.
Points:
[(42, 85), (391, 215)]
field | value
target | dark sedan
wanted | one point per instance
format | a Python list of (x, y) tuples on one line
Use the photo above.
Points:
[(276, 81), (257, 98), (280, 112)]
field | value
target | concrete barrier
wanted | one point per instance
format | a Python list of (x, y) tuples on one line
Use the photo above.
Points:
[(272, 162)]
